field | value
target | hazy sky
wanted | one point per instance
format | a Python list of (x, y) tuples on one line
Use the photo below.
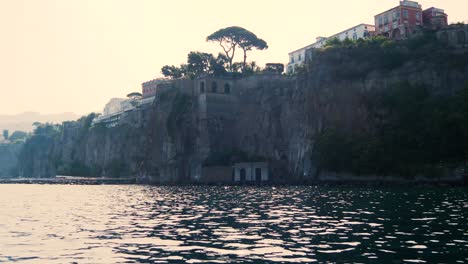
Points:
[(74, 55)]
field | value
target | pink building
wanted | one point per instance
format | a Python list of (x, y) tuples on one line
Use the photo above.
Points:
[(400, 21), (435, 18), (149, 88)]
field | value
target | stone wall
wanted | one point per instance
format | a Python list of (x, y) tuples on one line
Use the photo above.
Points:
[(455, 35)]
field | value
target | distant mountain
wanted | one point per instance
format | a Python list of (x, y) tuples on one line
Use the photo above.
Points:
[(25, 120)]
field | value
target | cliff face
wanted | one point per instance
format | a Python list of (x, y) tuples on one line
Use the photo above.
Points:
[(267, 117)]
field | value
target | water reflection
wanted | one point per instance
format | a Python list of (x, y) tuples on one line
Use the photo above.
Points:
[(141, 224)]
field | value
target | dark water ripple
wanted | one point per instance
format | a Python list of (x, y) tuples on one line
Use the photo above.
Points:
[(141, 224)]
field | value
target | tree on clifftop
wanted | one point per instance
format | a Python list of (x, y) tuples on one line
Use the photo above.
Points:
[(249, 41), (172, 71), (231, 37), (5, 134), (197, 63), (135, 98)]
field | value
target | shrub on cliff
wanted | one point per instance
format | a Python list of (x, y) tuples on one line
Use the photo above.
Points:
[(18, 136)]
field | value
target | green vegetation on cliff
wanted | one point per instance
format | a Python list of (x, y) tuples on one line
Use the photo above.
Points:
[(356, 59), (408, 128), (411, 132)]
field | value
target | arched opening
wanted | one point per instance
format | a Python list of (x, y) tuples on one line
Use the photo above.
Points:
[(214, 87), (461, 38), (227, 88), (242, 175), (258, 174), (396, 33), (202, 87)]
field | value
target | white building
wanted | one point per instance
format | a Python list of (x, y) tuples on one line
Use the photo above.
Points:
[(112, 111), (251, 172), (298, 57), (117, 105)]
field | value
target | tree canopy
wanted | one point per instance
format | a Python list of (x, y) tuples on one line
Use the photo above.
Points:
[(229, 39), (172, 71), (18, 136), (249, 41), (232, 37), (135, 96), (197, 63)]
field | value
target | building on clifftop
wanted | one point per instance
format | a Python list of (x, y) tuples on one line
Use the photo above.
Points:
[(300, 56), (435, 18), (400, 21)]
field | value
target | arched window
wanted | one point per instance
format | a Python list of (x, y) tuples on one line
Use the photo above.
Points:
[(202, 87), (214, 87), (227, 88), (461, 37)]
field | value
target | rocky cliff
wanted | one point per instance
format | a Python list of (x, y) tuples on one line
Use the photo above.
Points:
[(268, 117)]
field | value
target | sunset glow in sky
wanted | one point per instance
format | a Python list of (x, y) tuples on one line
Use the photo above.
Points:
[(74, 55)]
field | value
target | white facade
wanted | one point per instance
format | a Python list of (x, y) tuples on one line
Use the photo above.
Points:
[(298, 57), (112, 111), (355, 33), (117, 105), (251, 172)]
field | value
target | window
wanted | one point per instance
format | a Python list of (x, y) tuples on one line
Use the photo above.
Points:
[(405, 14), (418, 17), (214, 87), (299, 58), (292, 59), (380, 20), (227, 88), (354, 36), (385, 20), (202, 87)]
